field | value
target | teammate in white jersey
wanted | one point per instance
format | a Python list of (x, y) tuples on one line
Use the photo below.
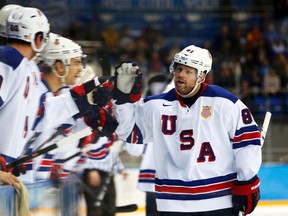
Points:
[(27, 34), (206, 143), (61, 68), (4, 13), (61, 65)]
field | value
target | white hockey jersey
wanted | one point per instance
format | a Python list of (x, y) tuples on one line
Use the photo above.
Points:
[(19, 101), (44, 163), (199, 150)]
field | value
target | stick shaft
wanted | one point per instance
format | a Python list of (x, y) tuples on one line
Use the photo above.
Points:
[(265, 126), (69, 139)]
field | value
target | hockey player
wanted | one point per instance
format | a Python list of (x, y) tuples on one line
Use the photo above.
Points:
[(60, 65), (27, 34), (102, 164), (62, 61), (4, 13), (206, 143)]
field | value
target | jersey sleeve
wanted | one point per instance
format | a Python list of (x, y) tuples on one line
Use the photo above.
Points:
[(133, 121), (246, 141)]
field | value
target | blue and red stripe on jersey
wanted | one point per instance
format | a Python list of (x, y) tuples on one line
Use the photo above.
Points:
[(194, 190), (46, 163), (245, 136), (147, 176), (99, 153)]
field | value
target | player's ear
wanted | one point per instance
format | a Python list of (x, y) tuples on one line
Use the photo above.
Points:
[(38, 40), (59, 67), (203, 76)]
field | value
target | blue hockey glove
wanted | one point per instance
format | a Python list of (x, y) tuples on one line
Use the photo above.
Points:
[(105, 124), (19, 169), (79, 94), (100, 96), (245, 195)]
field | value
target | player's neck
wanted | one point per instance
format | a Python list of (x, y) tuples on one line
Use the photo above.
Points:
[(191, 100), (53, 82), (25, 50)]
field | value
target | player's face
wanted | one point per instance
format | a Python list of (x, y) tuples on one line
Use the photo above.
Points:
[(75, 69), (185, 79)]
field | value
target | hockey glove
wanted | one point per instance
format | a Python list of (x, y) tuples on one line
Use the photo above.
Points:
[(245, 195), (79, 95), (3, 164), (105, 124), (99, 96), (128, 83), (19, 169)]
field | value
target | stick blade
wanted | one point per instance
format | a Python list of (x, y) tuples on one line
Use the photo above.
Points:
[(127, 208)]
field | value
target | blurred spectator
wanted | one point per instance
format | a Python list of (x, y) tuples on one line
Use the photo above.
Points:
[(142, 62), (279, 65), (270, 33), (111, 41), (272, 83), (264, 67), (226, 78), (255, 37), (245, 93), (278, 47), (156, 84), (155, 64), (223, 41)]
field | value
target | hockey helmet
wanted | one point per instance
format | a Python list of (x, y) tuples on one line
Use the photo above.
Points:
[(4, 13), (195, 57), (24, 23), (60, 48)]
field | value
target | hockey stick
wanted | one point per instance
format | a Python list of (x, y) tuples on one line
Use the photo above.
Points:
[(127, 208), (105, 65), (264, 130), (54, 135), (83, 150), (265, 127), (69, 139)]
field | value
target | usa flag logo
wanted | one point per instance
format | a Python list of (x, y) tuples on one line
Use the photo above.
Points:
[(206, 111)]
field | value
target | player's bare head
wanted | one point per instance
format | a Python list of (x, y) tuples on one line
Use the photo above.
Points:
[(29, 25), (63, 56), (193, 63), (4, 13)]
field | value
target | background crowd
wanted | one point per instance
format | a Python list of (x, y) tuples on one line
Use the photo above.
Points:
[(250, 53), (247, 39)]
